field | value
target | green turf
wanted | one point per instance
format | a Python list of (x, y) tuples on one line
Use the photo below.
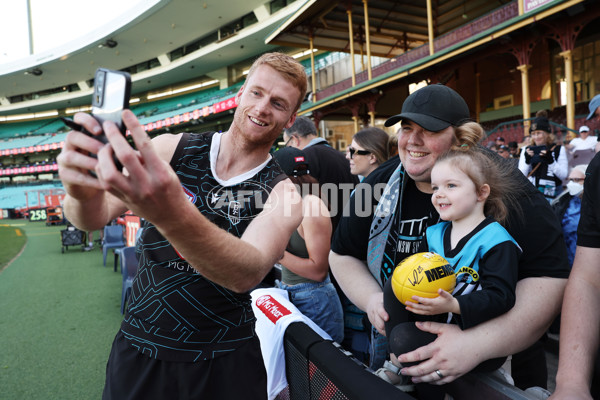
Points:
[(59, 314), (12, 240)]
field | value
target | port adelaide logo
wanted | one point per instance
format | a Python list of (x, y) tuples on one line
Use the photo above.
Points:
[(239, 202)]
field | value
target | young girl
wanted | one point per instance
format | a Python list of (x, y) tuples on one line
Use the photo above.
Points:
[(471, 196)]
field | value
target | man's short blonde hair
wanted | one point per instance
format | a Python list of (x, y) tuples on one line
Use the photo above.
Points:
[(287, 66)]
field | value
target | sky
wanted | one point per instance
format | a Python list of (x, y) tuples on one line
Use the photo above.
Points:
[(55, 22)]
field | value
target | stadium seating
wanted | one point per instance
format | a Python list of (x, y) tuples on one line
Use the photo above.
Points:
[(113, 239), (129, 265), (15, 196)]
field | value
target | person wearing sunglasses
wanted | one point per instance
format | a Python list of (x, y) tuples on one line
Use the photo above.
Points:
[(568, 208), (368, 149), (578, 375)]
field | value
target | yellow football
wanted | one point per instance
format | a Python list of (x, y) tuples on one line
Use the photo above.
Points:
[(422, 274)]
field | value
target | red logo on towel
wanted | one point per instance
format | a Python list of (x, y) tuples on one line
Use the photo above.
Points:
[(271, 308)]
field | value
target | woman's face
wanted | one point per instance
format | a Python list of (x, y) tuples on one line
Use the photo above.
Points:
[(360, 164), (419, 149), (540, 138)]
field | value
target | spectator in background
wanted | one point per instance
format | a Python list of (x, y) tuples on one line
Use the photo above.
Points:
[(304, 266), (578, 375), (515, 152), (593, 106), (369, 149), (504, 151), (584, 141), (544, 162), (500, 141), (90, 236), (330, 167), (327, 165), (568, 208), (393, 146)]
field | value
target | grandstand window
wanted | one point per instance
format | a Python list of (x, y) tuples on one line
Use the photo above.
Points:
[(43, 93), (209, 39), (277, 5), (175, 54), (249, 19), (143, 66), (586, 72), (192, 47), (153, 63)]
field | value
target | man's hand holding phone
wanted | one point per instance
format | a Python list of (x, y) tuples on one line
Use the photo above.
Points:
[(112, 90)]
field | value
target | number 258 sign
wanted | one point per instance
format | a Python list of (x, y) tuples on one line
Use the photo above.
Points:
[(37, 215)]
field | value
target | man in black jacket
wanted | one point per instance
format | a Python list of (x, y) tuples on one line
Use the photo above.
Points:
[(327, 165)]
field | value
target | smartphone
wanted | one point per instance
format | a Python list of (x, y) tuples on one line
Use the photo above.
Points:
[(112, 90), (536, 158), (111, 96)]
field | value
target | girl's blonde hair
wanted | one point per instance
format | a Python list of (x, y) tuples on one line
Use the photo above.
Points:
[(482, 168)]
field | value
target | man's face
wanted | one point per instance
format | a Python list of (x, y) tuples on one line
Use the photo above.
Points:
[(266, 106), (419, 149), (576, 176), (503, 152)]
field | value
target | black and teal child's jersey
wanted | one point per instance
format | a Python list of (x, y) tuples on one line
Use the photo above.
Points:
[(485, 263)]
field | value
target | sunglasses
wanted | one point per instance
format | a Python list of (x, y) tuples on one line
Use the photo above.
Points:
[(287, 144), (352, 150)]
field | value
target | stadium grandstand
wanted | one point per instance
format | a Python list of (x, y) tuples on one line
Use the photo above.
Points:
[(188, 59)]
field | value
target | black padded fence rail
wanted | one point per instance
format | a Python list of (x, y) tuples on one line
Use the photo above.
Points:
[(318, 369), (321, 369)]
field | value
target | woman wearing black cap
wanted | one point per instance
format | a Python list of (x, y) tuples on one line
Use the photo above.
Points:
[(433, 119), (304, 266), (544, 162)]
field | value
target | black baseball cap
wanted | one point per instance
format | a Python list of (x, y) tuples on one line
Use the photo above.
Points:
[(292, 161), (433, 107)]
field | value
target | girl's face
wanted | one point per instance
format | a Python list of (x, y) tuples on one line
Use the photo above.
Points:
[(454, 193), (360, 164), (539, 137)]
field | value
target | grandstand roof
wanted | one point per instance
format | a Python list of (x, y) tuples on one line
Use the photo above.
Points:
[(167, 25), (395, 26)]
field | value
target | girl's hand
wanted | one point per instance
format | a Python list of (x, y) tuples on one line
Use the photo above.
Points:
[(443, 303)]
